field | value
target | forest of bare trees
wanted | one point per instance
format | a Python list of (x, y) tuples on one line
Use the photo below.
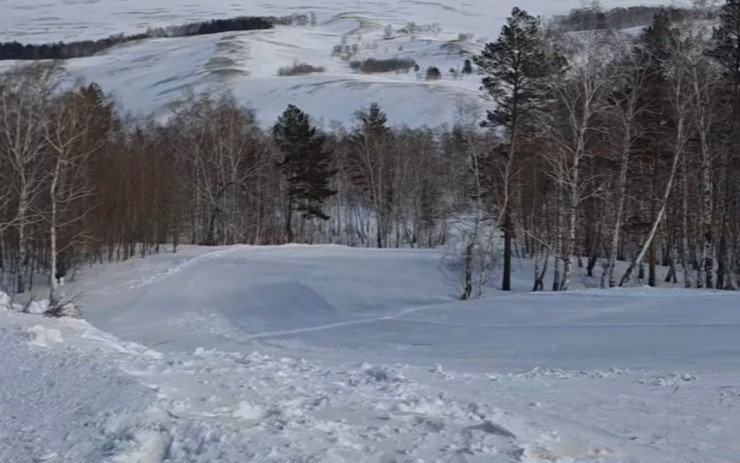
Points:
[(601, 148)]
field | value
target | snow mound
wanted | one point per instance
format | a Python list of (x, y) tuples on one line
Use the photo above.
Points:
[(5, 303), (246, 411), (37, 307), (56, 406), (674, 380), (560, 374), (383, 374)]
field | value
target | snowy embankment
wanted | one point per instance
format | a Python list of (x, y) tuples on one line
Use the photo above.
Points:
[(331, 354)]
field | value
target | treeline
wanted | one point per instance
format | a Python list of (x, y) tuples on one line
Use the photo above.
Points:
[(600, 148), (85, 48), (620, 148), (79, 184), (590, 18)]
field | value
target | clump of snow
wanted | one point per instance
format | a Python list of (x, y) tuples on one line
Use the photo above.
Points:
[(5, 303), (383, 373), (201, 352), (37, 307), (432, 406), (557, 373), (675, 379), (247, 411), (42, 336)]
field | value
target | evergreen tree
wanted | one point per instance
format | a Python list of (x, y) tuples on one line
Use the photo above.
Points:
[(372, 166), (655, 149), (726, 52), (433, 73), (727, 41), (656, 43), (305, 166), (515, 67), (467, 67)]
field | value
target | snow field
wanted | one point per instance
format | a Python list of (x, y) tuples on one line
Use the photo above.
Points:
[(84, 396), (325, 353), (145, 77)]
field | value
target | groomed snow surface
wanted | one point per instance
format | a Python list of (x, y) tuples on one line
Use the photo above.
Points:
[(331, 354)]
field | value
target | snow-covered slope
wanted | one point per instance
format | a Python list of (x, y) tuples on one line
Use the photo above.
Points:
[(145, 76), (331, 354)]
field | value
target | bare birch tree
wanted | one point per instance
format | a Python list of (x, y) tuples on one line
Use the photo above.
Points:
[(25, 93)]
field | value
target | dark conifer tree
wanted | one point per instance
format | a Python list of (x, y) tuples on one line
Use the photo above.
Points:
[(467, 67), (371, 165), (515, 66), (727, 53), (433, 73), (727, 40), (305, 166), (654, 149)]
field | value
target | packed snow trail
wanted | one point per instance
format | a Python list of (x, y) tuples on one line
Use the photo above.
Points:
[(331, 354), (398, 306)]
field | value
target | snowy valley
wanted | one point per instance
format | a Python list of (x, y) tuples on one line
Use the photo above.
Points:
[(145, 76)]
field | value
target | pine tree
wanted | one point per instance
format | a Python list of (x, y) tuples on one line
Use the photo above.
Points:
[(654, 49), (467, 67), (433, 73), (727, 41), (515, 66), (305, 166), (372, 166)]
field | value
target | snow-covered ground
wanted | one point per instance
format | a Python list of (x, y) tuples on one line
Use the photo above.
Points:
[(146, 76), (331, 354)]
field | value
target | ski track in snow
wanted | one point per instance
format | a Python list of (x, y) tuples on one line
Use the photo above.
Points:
[(332, 326)]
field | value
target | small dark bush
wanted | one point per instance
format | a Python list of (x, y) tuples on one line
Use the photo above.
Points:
[(299, 69), (371, 66), (433, 73)]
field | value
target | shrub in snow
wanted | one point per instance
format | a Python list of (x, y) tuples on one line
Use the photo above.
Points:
[(371, 66), (433, 73), (69, 310), (471, 254), (299, 69)]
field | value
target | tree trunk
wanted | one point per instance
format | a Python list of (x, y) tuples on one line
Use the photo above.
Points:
[(506, 283), (677, 155), (621, 195), (540, 270), (289, 221)]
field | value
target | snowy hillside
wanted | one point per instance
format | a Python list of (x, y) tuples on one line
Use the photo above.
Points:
[(331, 354), (146, 76)]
